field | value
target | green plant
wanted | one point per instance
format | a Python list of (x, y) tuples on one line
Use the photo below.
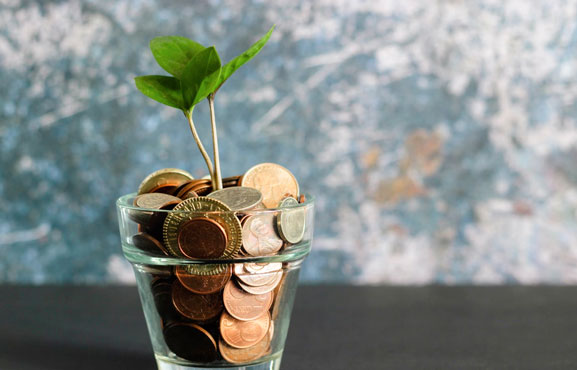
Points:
[(197, 74)]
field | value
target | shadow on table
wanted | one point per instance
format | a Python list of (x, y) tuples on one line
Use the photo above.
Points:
[(32, 354)]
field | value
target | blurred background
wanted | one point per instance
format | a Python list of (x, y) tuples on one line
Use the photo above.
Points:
[(439, 137)]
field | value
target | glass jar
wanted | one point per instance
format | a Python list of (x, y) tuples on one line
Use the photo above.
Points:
[(227, 312)]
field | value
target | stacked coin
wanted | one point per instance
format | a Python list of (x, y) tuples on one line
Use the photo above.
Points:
[(214, 310)]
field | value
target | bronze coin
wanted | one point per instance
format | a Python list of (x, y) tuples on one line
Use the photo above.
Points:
[(202, 284), (156, 221), (190, 194), (190, 342), (198, 307), (202, 189), (202, 237), (273, 180), (162, 295), (245, 306), (243, 334), (184, 189), (148, 243), (182, 186), (244, 355), (164, 177), (164, 189)]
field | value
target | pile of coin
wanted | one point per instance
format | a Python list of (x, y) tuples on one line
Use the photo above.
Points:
[(212, 311)]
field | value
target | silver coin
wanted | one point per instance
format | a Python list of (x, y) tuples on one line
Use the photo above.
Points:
[(238, 198), (291, 220), (261, 267), (261, 289), (255, 279), (259, 237)]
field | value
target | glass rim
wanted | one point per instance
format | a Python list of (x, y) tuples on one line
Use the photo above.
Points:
[(123, 203), (296, 252)]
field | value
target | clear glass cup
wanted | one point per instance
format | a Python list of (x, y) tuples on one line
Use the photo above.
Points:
[(231, 313)]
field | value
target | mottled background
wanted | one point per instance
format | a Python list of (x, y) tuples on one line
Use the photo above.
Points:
[(440, 137)]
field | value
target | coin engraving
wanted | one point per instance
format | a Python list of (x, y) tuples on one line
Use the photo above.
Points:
[(259, 237), (199, 307), (265, 276), (243, 355), (244, 306), (201, 237), (202, 284), (202, 207), (243, 334), (273, 181)]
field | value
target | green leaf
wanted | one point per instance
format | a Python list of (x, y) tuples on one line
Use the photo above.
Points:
[(237, 62), (173, 52), (163, 89), (200, 77)]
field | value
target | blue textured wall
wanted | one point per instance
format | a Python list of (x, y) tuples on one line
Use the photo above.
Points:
[(439, 136)]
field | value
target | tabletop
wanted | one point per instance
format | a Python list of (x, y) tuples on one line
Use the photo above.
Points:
[(333, 327)]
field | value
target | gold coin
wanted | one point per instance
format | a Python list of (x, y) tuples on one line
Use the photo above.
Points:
[(164, 177), (274, 182), (291, 220), (202, 207)]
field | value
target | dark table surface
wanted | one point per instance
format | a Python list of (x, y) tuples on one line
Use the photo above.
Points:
[(333, 327)]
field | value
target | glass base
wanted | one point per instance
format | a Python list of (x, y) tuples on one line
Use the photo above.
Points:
[(273, 364)]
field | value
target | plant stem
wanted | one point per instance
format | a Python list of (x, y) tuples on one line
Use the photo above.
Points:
[(217, 175), (188, 115)]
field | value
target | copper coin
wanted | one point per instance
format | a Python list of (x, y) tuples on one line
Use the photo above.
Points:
[(162, 295), (164, 177), (244, 306), (198, 307), (202, 284), (147, 243), (273, 180), (259, 237), (209, 208), (154, 226), (150, 202), (243, 334), (244, 355), (231, 180), (184, 189), (164, 189), (302, 198), (202, 237), (178, 189), (202, 189), (190, 194), (190, 342)]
